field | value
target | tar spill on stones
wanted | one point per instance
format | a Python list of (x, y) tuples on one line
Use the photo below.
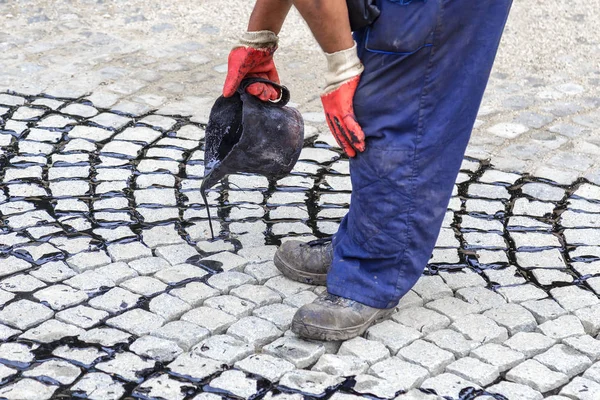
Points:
[(69, 189)]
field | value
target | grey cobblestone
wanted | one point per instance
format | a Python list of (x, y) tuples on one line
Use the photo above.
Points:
[(474, 370), (513, 317), (368, 350), (394, 336), (402, 374), (105, 336), (447, 384), (27, 389), (223, 348), (216, 321), (194, 367), (427, 355), (23, 314), (421, 319), (515, 390), (498, 355), (537, 376), (301, 353), (125, 365), (562, 327), (161, 350), (562, 358), (272, 368), (98, 385), (254, 331), (311, 382), (480, 328), (138, 322)]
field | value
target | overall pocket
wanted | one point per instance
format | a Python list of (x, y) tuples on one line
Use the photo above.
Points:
[(403, 27)]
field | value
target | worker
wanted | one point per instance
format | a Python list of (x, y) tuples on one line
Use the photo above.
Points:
[(401, 97)]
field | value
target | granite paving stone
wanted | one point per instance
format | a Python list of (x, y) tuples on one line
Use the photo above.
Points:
[(368, 350), (513, 317), (126, 365), (427, 355), (562, 327), (236, 383), (302, 353), (82, 316), (480, 328), (544, 310), (162, 386), (272, 368), (216, 321), (452, 341), (194, 367), (447, 384), (474, 370), (341, 365), (515, 390), (255, 331), (311, 382), (581, 388), (24, 314), (59, 296), (498, 355), (537, 376), (231, 305), (565, 359), (136, 321), (58, 370), (572, 298), (224, 348), (403, 374), (194, 293), (169, 307), (421, 319), (105, 336), (27, 389), (159, 349), (84, 357), (51, 331)]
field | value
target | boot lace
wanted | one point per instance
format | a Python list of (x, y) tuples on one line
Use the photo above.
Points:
[(337, 300), (320, 242)]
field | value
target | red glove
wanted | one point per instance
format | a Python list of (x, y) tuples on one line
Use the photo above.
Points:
[(342, 80), (339, 113), (253, 58)]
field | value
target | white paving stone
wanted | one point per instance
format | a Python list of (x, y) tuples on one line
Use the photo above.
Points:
[(368, 350), (272, 368), (427, 355), (474, 370), (537, 376)]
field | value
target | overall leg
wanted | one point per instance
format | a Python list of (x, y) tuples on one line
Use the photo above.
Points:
[(417, 111)]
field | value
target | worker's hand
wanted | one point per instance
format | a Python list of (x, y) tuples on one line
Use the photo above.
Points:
[(342, 80), (253, 57)]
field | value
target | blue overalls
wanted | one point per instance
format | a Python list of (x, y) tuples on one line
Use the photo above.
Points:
[(426, 67)]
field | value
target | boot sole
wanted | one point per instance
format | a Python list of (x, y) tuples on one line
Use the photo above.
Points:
[(329, 335), (298, 275)]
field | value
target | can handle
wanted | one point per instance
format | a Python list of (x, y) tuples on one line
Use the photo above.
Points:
[(284, 96)]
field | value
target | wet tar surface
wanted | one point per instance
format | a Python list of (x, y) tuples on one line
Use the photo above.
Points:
[(72, 183)]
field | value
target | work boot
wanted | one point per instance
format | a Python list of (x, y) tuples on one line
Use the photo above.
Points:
[(331, 317), (305, 262)]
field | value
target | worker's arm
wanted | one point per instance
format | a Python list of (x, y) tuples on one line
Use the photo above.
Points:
[(268, 15), (329, 22), (327, 19)]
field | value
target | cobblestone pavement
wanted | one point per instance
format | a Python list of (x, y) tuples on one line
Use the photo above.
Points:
[(110, 288)]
